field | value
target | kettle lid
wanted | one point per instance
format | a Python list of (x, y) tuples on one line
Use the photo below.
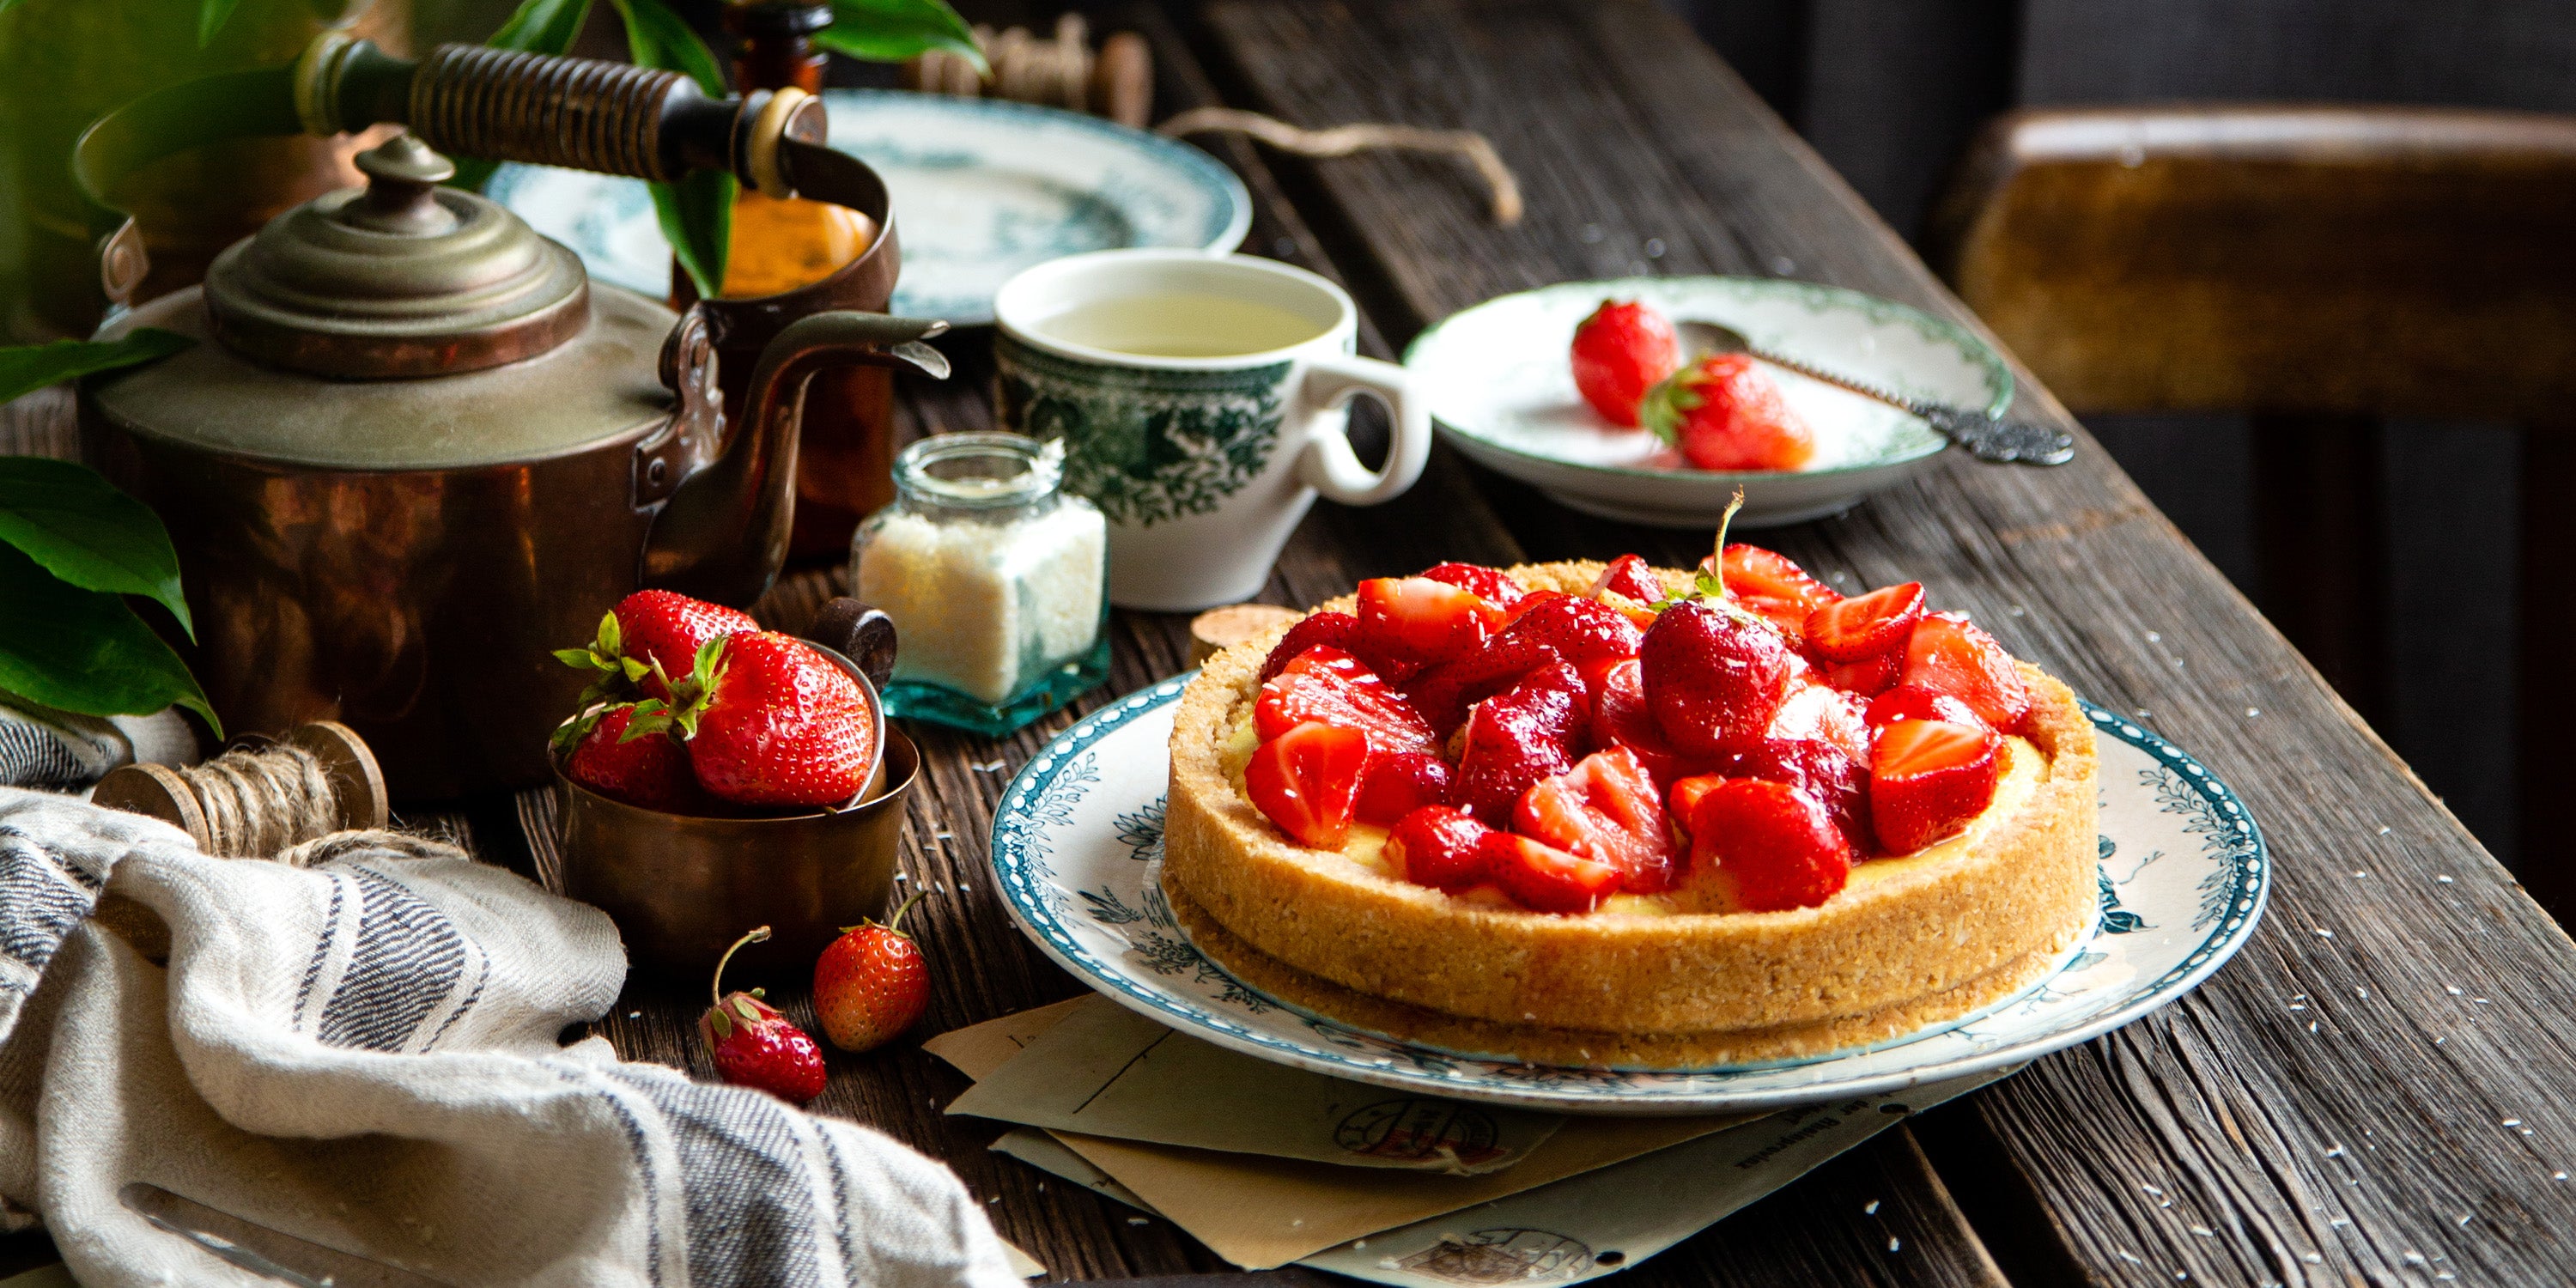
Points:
[(398, 278)]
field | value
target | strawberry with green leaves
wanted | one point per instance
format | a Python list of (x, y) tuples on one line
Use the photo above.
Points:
[(768, 720), (755, 1046), (871, 983), (1723, 413), (1622, 350), (649, 637)]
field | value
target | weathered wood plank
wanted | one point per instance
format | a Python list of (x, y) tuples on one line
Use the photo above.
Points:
[(2361, 1143)]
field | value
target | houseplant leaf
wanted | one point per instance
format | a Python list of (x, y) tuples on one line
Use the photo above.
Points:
[(85, 650), (537, 27), (26, 368), (696, 213), (82, 530), (890, 31), (211, 17)]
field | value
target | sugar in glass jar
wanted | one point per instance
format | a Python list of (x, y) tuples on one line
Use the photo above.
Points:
[(995, 580)]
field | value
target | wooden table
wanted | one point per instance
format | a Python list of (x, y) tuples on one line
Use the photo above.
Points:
[(2374, 1091)]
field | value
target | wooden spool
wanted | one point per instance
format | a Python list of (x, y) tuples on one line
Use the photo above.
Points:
[(1219, 629), (159, 791)]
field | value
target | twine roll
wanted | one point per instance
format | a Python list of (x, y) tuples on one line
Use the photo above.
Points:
[(266, 801)]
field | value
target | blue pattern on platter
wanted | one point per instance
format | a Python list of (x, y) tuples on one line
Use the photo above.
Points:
[(982, 188), (2184, 879)]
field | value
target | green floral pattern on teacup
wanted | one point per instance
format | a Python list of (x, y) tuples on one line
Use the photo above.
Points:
[(1145, 446)]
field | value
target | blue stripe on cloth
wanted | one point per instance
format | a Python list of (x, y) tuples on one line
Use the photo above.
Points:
[(743, 1176), (408, 957), (40, 900)]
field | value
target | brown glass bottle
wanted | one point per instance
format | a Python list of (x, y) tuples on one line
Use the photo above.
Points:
[(845, 457)]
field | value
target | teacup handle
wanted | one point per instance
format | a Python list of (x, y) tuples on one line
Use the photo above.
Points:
[(1329, 465)]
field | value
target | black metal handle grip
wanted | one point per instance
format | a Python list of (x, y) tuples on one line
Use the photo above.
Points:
[(506, 105), (859, 632)]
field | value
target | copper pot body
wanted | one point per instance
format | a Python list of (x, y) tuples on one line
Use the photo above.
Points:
[(682, 887)]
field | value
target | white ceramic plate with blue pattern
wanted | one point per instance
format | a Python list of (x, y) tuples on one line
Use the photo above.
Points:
[(1502, 391), (982, 188), (2183, 881)]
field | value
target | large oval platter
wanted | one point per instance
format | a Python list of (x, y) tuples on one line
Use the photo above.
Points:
[(2183, 882)]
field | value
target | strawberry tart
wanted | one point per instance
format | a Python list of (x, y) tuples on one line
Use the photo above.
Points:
[(1615, 816)]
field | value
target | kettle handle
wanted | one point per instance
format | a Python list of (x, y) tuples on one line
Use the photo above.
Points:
[(723, 534)]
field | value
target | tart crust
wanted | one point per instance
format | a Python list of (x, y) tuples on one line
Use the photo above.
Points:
[(1876, 961)]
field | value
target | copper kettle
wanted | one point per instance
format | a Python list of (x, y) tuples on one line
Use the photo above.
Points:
[(415, 449)]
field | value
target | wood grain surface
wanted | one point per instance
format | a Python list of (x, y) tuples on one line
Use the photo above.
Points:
[(2330, 1108)]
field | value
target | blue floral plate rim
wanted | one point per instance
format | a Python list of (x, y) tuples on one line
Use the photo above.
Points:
[(1044, 796)]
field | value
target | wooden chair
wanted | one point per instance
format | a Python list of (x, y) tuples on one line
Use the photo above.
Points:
[(2318, 267)]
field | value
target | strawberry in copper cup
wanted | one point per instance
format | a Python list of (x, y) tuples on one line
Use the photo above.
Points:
[(720, 775)]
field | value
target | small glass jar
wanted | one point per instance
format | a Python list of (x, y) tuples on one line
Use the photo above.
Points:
[(994, 577)]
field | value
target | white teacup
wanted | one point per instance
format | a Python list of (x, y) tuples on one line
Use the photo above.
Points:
[(1204, 402)]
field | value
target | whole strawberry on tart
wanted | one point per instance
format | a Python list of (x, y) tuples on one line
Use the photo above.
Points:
[(1612, 815)]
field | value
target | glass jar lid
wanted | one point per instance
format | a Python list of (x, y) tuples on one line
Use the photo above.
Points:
[(981, 471), (399, 278)]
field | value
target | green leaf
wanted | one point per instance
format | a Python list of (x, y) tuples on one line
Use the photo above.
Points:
[(890, 31), (659, 38), (85, 650), (696, 215), (27, 368), (537, 27), (7, 5), (211, 16), (78, 527)]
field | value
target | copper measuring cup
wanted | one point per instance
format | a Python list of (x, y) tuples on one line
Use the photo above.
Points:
[(681, 887)]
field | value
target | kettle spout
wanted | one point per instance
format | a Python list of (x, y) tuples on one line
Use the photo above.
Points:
[(723, 534)]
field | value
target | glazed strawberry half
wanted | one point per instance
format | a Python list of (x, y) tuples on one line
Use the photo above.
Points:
[(1307, 780), (1931, 778), (1530, 731), (1622, 350), (1440, 846), (1725, 413), (1417, 619), (1776, 844), (1946, 653), (1606, 809), (1326, 685)]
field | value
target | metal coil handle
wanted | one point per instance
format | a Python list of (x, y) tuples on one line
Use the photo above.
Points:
[(611, 118)]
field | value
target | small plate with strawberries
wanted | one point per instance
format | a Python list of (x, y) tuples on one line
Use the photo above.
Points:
[(1610, 838), (1583, 390)]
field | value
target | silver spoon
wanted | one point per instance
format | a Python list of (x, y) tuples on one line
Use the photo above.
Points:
[(1990, 439)]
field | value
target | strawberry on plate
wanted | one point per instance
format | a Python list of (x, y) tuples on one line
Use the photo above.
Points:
[(1725, 413), (1776, 843), (1307, 780), (1605, 808), (770, 721), (1328, 685), (1929, 779), (1393, 786), (1416, 619), (1543, 878), (1440, 846), (1714, 676), (1865, 626), (1515, 738), (647, 769), (1948, 654), (1622, 350)]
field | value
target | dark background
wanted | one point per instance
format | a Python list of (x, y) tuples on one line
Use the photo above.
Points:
[(1890, 92)]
